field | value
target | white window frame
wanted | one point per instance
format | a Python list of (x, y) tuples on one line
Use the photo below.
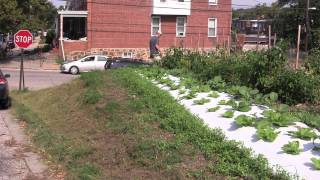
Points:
[(216, 27), (152, 17), (213, 2), (184, 26)]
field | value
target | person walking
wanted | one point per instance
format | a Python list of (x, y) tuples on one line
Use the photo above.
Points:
[(154, 47)]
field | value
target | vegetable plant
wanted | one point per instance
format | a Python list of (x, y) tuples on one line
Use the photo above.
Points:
[(228, 114), (304, 133), (267, 134), (316, 163), (182, 91), (244, 120), (201, 101), (292, 148), (278, 119), (223, 102), (191, 95), (214, 109), (232, 103), (214, 94), (243, 106)]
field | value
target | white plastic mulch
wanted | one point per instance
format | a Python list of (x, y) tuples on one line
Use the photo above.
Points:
[(300, 165)]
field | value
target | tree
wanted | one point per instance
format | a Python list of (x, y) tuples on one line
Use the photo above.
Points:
[(26, 14)]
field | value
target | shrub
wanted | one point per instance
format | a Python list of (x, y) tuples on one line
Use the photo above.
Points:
[(312, 64)]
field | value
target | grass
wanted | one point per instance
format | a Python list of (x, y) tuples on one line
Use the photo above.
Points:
[(144, 131)]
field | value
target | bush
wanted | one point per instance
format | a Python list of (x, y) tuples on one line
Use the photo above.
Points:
[(266, 71), (312, 64)]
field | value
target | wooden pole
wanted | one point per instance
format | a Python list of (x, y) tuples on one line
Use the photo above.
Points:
[(275, 39), (298, 48), (269, 36), (21, 79)]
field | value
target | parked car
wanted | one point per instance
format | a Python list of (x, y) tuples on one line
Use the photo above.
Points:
[(5, 101), (88, 63)]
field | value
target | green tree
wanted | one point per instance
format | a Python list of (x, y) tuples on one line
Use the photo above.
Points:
[(10, 15)]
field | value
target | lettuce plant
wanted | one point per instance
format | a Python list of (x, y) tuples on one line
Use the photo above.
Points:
[(304, 133), (214, 109), (278, 119), (316, 163), (267, 134), (232, 103), (243, 106), (292, 148), (244, 120), (201, 101), (214, 94), (182, 91), (228, 114), (191, 95), (223, 102)]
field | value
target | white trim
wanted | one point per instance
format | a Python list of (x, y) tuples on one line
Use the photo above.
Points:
[(185, 26), (152, 24), (213, 2), (216, 27), (73, 13)]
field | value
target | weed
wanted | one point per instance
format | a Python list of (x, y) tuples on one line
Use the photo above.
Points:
[(91, 96)]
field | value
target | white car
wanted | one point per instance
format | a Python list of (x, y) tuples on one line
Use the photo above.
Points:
[(86, 64)]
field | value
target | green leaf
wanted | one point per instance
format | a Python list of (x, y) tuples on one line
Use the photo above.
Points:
[(304, 133), (214, 94), (267, 134), (223, 102), (244, 106), (263, 124), (292, 148), (228, 114), (244, 120), (182, 91), (201, 101), (273, 97), (316, 163), (214, 109)]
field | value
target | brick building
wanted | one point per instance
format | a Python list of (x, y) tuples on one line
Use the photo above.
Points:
[(124, 27)]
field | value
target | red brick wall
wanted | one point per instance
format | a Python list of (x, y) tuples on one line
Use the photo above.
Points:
[(127, 24), (70, 46)]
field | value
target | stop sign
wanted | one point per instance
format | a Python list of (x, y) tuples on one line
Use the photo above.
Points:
[(23, 38)]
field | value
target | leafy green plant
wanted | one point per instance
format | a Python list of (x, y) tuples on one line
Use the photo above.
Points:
[(214, 109), (228, 114), (191, 95), (316, 163), (304, 133), (182, 91), (263, 124), (278, 119), (174, 86), (292, 148), (232, 103), (243, 106), (267, 134), (244, 120), (214, 94), (223, 102), (217, 83), (201, 101)]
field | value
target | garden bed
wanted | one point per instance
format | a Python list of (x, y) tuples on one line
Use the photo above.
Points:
[(277, 140)]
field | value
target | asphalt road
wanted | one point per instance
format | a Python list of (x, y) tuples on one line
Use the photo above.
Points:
[(35, 80)]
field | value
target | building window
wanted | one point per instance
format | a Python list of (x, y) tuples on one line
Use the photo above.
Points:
[(155, 25), (212, 27), (181, 27), (213, 2)]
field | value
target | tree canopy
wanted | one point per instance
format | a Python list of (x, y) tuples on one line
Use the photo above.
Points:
[(26, 14)]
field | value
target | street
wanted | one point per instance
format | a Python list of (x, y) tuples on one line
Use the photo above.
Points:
[(17, 159), (35, 80)]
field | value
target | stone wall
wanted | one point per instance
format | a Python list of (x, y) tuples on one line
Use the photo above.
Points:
[(137, 53)]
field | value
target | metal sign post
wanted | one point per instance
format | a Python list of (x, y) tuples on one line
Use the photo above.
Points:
[(23, 39)]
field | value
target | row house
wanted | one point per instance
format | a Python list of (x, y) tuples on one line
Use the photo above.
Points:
[(123, 28)]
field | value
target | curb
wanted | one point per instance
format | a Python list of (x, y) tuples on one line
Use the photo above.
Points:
[(30, 69)]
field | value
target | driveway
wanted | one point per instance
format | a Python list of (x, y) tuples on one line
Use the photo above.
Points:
[(18, 159)]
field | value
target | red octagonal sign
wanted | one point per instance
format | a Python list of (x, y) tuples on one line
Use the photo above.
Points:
[(23, 38)]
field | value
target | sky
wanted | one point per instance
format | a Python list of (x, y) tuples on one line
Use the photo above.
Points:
[(238, 2)]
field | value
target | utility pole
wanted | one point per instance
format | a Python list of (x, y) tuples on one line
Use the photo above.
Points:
[(307, 26)]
